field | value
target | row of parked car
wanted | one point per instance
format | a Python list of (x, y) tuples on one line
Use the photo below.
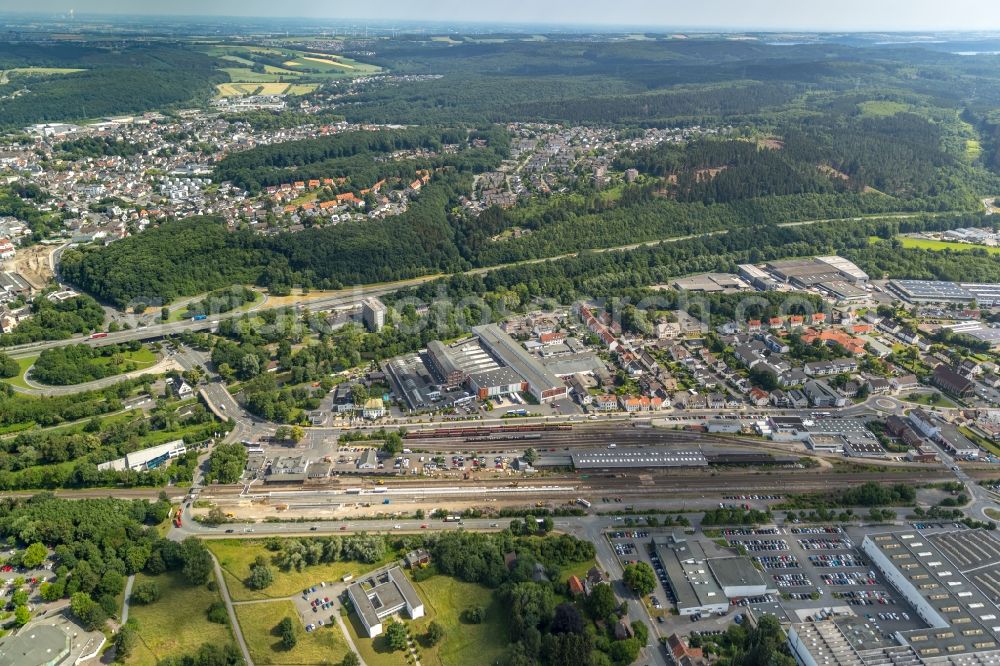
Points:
[(760, 545), (777, 561), (837, 561), (747, 531), (826, 544), (852, 578), (661, 573), (792, 580), (817, 530), (866, 597)]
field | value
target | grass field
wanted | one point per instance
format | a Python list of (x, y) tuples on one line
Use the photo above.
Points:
[(176, 624), (873, 108), (463, 644), (326, 645), (144, 358), (18, 380), (236, 555), (928, 244), (925, 399), (5, 74), (179, 313), (973, 149)]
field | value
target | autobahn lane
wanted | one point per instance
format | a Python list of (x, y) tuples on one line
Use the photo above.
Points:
[(347, 297)]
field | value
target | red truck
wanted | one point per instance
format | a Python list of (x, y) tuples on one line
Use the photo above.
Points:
[(177, 518)]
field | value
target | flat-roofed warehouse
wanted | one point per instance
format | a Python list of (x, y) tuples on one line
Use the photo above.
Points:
[(613, 458), (956, 598), (695, 588), (811, 272), (738, 577), (542, 383), (711, 282), (931, 291)]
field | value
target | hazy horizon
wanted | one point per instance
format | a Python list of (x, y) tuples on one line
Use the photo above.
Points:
[(722, 15)]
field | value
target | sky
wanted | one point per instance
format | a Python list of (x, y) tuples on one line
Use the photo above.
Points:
[(815, 15)]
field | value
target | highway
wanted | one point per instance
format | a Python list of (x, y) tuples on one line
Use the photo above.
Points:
[(345, 297)]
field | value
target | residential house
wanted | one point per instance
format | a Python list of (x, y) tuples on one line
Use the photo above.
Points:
[(878, 385), (924, 423), (904, 382), (606, 403), (759, 397), (832, 367), (797, 399), (820, 394)]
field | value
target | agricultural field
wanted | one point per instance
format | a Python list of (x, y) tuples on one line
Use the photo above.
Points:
[(175, 624), (300, 71), (463, 644), (326, 645), (7, 74), (236, 555)]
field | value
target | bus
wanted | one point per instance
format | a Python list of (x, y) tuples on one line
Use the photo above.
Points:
[(582, 502)]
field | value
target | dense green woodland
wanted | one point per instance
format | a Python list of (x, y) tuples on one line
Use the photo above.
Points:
[(119, 80), (355, 156), (57, 321), (77, 364), (97, 544), (815, 132)]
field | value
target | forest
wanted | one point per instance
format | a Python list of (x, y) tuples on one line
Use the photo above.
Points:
[(96, 544), (77, 364), (57, 321), (360, 157), (113, 81)]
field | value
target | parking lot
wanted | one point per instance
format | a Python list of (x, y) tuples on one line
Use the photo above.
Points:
[(813, 569), (318, 605)]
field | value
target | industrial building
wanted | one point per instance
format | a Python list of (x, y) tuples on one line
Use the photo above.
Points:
[(846, 641), (952, 581), (146, 459), (712, 283), (382, 594), (443, 364), (542, 384), (931, 291), (758, 277), (495, 383), (844, 291), (808, 273), (702, 584)]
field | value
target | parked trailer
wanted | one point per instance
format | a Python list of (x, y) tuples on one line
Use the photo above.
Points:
[(452, 519)]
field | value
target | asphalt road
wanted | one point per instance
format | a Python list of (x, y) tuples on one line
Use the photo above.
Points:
[(343, 298)]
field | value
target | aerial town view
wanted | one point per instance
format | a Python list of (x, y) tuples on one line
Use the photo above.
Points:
[(548, 333)]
